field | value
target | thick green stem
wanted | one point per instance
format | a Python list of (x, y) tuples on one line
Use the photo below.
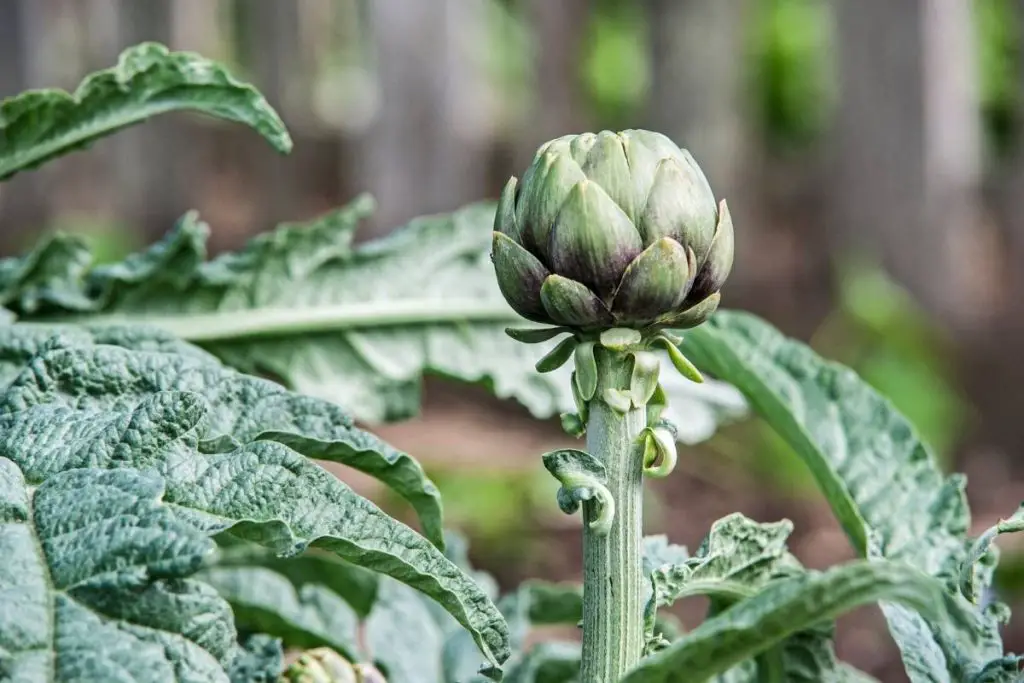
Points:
[(613, 570)]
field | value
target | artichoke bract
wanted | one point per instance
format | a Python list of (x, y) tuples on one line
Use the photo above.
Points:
[(612, 230)]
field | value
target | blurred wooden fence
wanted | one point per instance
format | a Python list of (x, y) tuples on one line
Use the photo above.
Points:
[(403, 99)]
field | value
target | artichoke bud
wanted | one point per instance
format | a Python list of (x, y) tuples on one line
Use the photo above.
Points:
[(368, 673), (612, 230), (320, 665)]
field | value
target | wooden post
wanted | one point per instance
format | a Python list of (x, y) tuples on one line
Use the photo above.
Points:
[(907, 168), (23, 207)]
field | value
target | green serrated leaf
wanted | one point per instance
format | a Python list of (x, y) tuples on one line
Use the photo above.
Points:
[(39, 125), (659, 551), (881, 481), (95, 583), (787, 607), (738, 558), (244, 409), (264, 601), (358, 325), (114, 408)]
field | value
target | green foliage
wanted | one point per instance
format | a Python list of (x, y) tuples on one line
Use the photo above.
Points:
[(793, 75), (735, 562), (264, 601), (787, 607), (878, 330), (616, 66), (998, 44), (97, 582), (161, 518), (357, 325), (880, 480), (40, 125), (243, 409), (199, 427), (793, 84)]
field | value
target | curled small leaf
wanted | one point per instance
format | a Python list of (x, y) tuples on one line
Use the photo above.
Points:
[(659, 450), (583, 478), (557, 357), (620, 338), (644, 380), (573, 424), (535, 335), (586, 370), (969, 579), (618, 400)]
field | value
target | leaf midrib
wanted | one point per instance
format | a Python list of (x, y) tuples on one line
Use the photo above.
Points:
[(269, 322)]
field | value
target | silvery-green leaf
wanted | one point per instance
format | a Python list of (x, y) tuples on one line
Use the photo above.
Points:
[(403, 638), (95, 583), (738, 558), (356, 325), (39, 125), (106, 407), (264, 601), (738, 555), (354, 584), (259, 659), (659, 551), (244, 409), (790, 606), (881, 480)]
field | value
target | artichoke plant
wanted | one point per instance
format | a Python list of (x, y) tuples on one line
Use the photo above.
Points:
[(612, 230)]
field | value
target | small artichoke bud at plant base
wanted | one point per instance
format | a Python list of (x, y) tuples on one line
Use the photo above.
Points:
[(612, 230), (320, 665)]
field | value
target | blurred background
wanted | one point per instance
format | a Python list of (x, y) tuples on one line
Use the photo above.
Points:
[(872, 152)]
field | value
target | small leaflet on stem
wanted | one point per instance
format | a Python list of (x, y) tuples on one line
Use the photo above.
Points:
[(558, 356), (620, 338), (586, 370), (681, 362), (644, 380), (573, 424), (581, 403), (535, 335), (583, 478), (618, 400)]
